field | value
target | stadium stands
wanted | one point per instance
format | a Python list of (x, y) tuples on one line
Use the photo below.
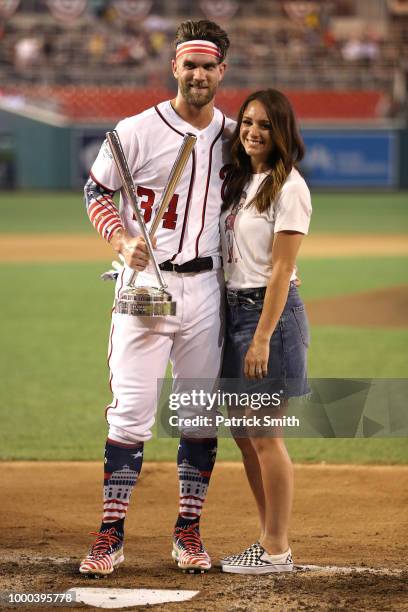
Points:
[(347, 56)]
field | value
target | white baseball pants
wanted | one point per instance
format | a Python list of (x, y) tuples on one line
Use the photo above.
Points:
[(141, 347)]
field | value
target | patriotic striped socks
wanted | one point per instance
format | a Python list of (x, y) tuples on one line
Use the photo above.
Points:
[(123, 464), (195, 462)]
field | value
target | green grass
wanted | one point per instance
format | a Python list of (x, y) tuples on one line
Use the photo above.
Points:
[(336, 276), (349, 352), (54, 343), (38, 212), (346, 212), (359, 212), (53, 362), (349, 451)]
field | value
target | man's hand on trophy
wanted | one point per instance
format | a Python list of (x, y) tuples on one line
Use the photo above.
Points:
[(135, 253), (133, 249)]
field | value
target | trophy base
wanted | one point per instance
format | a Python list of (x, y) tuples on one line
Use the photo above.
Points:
[(145, 302)]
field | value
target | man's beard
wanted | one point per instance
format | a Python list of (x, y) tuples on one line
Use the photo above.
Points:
[(195, 98)]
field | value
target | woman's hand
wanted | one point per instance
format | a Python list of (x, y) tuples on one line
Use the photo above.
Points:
[(256, 359), (284, 250)]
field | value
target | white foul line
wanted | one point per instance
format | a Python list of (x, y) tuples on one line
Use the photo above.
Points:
[(333, 569)]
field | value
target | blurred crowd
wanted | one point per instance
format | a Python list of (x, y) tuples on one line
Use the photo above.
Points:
[(302, 45), (84, 53)]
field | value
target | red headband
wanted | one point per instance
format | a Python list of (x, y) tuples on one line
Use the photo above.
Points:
[(205, 47)]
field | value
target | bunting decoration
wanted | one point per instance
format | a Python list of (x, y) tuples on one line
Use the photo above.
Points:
[(132, 9), (67, 10), (8, 7), (219, 9)]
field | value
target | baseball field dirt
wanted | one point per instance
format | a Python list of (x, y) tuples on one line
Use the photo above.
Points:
[(344, 516), (89, 247), (379, 308)]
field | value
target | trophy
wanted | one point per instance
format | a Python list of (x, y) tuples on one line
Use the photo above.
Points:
[(148, 301)]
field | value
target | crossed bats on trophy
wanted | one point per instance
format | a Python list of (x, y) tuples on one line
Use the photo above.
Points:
[(148, 301)]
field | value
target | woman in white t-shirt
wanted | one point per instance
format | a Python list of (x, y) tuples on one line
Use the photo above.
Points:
[(265, 215)]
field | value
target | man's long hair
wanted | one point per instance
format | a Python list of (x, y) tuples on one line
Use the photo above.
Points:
[(203, 30), (287, 150)]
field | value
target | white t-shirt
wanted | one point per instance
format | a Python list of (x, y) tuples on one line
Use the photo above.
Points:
[(247, 235)]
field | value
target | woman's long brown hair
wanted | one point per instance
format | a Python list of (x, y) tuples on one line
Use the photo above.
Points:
[(287, 150)]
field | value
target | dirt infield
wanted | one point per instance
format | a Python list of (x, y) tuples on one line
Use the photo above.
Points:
[(343, 516), (380, 308), (89, 247)]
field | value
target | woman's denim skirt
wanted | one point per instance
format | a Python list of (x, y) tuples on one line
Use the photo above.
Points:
[(287, 365)]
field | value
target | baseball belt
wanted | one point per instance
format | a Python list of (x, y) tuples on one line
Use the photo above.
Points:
[(199, 264)]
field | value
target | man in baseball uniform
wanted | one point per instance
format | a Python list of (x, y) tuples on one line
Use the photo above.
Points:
[(188, 251)]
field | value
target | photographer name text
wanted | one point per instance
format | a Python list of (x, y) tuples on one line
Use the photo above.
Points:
[(245, 421)]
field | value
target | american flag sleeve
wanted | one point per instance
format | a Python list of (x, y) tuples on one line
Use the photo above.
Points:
[(101, 209)]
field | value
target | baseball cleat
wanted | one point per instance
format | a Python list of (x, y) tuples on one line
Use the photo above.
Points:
[(188, 550), (255, 560), (104, 555)]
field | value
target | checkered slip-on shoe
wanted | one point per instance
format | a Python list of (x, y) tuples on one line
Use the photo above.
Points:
[(188, 550), (255, 560), (247, 551), (105, 554)]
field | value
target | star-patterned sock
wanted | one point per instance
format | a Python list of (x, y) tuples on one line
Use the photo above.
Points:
[(123, 464), (195, 462)]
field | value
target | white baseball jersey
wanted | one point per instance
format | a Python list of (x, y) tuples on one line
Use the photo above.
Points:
[(151, 141)]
